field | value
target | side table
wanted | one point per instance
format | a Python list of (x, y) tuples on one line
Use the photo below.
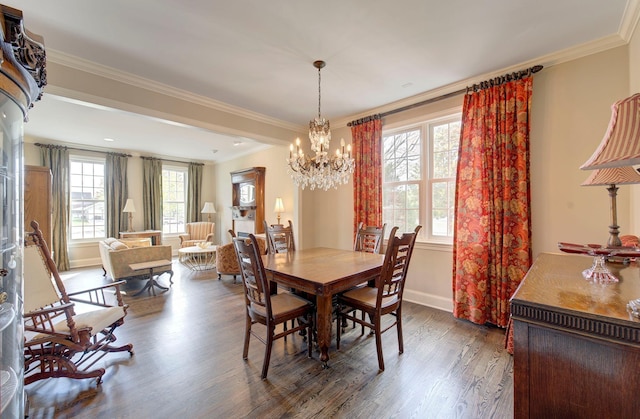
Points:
[(197, 258), (151, 282)]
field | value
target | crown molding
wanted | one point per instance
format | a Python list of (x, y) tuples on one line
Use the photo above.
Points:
[(628, 25), (629, 20), (91, 67), (548, 60)]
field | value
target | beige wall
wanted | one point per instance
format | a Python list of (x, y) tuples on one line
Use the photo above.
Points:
[(571, 109), (277, 184), (634, 87)]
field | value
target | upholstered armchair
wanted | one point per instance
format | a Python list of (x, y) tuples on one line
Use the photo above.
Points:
[(202, 231), (227, 261)]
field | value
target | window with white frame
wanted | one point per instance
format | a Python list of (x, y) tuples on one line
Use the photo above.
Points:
[(419, 170), (86, 181), (174, 199)]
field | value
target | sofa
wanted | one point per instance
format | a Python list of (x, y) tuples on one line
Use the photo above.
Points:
[(227, 261), (118, 254)]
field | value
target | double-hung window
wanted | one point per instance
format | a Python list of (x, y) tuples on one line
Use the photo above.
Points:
[(419, 170), (86, 183), (174, 199)]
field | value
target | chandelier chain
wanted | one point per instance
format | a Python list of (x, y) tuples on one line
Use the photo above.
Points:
[(319, 92)]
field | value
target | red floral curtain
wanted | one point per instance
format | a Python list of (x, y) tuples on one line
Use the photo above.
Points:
[(492, 235), (367, 177)]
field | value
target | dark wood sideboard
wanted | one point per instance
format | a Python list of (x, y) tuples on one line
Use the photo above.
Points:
[(576, 349)]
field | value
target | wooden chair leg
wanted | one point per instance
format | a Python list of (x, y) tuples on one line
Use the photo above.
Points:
[(399, 327), (379, 344), (247, 336), (310, 334), (267, 352), (338, 327)]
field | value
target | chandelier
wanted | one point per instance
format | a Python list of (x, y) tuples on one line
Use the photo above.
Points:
[(322, 170)]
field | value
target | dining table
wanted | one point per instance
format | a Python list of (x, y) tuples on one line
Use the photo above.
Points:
[(322, 272)]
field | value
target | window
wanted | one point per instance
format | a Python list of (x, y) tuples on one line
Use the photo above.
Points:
[(87, 198), (419, 169), (174, 199)]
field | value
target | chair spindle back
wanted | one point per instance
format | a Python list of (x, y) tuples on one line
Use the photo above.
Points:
[(369, 239), (279, 238)]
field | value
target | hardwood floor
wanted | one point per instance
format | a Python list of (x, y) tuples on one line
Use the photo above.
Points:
[(188, 363)]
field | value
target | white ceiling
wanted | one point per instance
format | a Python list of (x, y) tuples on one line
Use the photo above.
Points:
[(257, 55)]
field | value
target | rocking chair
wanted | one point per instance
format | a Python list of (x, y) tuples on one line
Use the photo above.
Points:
[(60, 342)]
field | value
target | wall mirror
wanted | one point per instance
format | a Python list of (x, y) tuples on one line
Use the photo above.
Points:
[(247, 194)]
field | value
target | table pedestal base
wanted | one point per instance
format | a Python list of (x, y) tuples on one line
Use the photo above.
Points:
[(151, 282)]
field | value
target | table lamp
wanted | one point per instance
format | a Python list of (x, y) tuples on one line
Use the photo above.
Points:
[(208, 209), (611, 177), (620, 147), (129, 208), (279, 208)]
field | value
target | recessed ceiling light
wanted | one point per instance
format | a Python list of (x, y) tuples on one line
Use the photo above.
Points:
[(237, 142), (109, 139), (407, 85)]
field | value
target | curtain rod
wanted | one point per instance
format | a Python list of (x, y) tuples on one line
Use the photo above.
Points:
[(81, 149), (496, 81), (172, 161)]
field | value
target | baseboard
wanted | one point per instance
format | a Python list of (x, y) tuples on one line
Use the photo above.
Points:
[(85, 263), (429, 300)]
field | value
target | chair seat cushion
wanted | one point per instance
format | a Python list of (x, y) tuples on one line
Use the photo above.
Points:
[(282, 303), (97, 320), (366, 296)]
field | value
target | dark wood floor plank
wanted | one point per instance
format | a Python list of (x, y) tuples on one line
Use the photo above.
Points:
[(188, 364)]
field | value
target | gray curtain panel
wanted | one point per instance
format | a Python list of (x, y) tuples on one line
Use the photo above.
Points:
[(194, 199), (152, 193), (56, 158), (116, 189)]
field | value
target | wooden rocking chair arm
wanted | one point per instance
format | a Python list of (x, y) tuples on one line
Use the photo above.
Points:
[(98, 288), (41, 311), (96, 296)]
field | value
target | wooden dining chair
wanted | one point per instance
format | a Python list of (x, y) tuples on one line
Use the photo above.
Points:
[(369, 239), (383, 299), (279, 238), (264, 308)]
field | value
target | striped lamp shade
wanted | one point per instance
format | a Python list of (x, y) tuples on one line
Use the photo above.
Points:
[(613, 176), (621, 143)]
